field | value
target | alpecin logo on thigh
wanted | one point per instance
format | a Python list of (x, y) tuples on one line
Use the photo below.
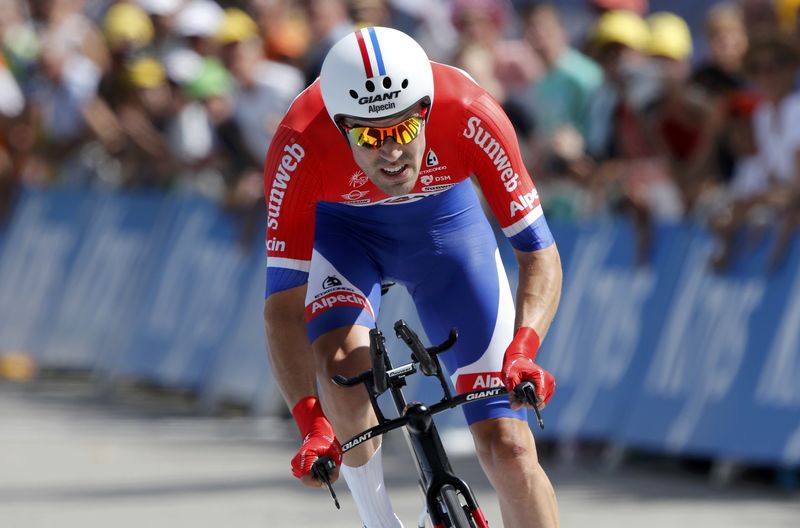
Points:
[(335, 299), (478, 380)]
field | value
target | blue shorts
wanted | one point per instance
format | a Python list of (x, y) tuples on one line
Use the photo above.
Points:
[(443, 250)]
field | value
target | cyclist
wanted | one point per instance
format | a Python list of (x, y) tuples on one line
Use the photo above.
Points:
[(368, 180)]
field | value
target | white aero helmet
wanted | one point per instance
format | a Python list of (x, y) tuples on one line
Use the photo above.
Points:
[(375, 73)]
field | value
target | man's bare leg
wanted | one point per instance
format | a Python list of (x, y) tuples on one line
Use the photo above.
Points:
[(345, 351), (507, 453)]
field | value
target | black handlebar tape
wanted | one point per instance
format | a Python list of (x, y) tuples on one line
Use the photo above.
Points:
[(377, 350), (421, 354)]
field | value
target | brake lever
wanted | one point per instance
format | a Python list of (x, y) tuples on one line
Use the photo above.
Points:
[(526, 392), (322, 470)]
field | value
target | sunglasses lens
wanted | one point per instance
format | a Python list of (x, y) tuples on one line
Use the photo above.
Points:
[(373, 137), (406, 131), (366, 137)]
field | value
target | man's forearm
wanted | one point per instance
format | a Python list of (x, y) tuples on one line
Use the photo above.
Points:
[(539, 289), (290, 353)]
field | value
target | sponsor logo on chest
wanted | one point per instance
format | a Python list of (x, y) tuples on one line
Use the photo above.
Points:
[(355, 194), (358, 179)]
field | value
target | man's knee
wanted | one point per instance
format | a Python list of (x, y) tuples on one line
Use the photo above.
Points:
[(504, 440), (342, 351)]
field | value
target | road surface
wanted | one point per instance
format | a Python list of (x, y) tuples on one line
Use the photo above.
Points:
[(69, 458)]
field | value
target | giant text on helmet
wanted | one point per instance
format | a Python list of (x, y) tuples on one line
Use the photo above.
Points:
[(371, 99), (280, 181)]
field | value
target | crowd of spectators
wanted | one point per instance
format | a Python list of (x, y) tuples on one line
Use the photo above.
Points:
[(617, 115)]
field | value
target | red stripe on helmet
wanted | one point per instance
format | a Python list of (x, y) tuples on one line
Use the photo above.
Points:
[(364, 54)]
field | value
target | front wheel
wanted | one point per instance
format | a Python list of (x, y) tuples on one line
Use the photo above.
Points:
[(455, 516)]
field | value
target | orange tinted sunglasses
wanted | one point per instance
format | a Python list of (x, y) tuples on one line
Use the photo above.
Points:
[(374, 137)]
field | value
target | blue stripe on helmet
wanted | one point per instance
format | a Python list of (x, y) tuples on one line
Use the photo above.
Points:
[(375, 46)]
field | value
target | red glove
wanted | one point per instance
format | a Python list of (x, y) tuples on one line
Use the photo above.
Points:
[(318, 436), (518, 365)]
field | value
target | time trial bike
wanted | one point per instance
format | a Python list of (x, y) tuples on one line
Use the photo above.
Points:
[(449, 500)]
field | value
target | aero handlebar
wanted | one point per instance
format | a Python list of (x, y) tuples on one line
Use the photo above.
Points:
[(416, 416)]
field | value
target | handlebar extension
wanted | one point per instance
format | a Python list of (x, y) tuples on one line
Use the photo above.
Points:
[(422, 355), (377, 349)]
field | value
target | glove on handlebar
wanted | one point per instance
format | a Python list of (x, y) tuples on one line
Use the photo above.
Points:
[(519, 366), (318, 436)]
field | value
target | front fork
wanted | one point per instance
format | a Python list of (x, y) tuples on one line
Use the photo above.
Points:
[(435, 467)]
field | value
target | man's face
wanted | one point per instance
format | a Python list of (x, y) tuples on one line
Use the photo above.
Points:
[(545, 34), (773, 74), (393, 168)]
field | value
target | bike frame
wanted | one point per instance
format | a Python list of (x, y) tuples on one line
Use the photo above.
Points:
[(417, 418)]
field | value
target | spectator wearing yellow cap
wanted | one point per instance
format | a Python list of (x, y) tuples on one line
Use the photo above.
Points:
[(262, 89), (149, 80), (619, 141), (236, 26), (128, 31), (145, 117), (618, 42), (619, 27), (681, 120), (786, 11), (670, 38), (262, 92), (127, 26), (670, 46)]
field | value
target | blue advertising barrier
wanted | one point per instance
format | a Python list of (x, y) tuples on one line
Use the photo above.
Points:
[(672, 356), (38, 248), (668, 356)]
